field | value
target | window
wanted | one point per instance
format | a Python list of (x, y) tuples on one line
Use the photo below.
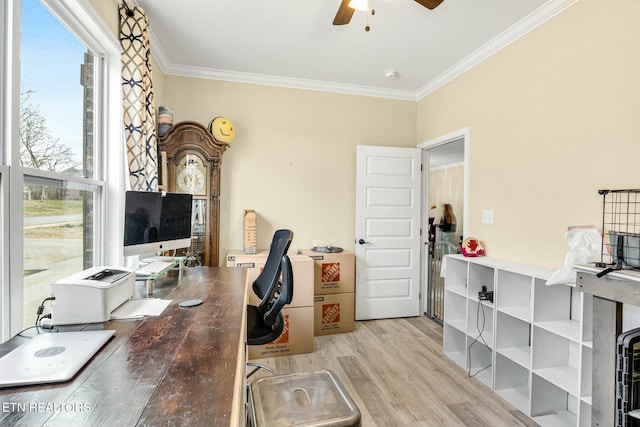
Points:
[(56, 135), (65, 98), (4, 172)]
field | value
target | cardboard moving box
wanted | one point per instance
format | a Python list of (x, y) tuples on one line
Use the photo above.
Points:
[(297, 337), (333, 273), (334, 313), (302, 267)]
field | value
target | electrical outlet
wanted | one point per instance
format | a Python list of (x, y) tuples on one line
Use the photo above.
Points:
[(487, 216)]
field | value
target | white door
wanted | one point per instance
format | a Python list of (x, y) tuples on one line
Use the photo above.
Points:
[(388, 190)]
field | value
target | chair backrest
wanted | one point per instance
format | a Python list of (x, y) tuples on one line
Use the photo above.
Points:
[(266, 282), (281, 295)]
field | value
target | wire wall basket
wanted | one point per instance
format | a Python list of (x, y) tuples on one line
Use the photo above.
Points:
[(620, 229)]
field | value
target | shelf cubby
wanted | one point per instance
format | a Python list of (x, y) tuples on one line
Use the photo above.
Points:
[(479, 276), (455, 345), (554, 310), (479, 362), (557, 359), (513, 339), (551, 406), (480, 322), (512, 383), (513, 295), (456, 276), (455, 310)]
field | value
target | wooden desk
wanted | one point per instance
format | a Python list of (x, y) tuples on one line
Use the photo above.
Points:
[(183, 368), (609, 293)]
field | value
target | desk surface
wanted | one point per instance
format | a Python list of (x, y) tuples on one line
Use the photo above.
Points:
[(185, 367)]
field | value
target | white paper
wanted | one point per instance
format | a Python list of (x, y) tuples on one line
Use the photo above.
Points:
[(138, 308)]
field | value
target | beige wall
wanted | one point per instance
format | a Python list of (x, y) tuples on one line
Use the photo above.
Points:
[(293, 156), (108, 11), (554, 117)]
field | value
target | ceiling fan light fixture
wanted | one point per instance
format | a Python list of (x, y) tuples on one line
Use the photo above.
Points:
[(362, 5)]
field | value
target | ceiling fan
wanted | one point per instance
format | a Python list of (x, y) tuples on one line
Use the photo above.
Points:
[(345, 12)]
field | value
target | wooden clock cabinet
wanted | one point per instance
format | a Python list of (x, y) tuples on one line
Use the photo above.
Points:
[(191, 160)]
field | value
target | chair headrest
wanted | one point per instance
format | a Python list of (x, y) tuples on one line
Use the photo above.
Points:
[(285, 290), (270, 274)]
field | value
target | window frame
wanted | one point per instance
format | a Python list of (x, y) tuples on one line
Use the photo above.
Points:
[(4, 172), (81, 19)]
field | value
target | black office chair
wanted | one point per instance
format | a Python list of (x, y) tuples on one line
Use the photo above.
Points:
[(274, 287)]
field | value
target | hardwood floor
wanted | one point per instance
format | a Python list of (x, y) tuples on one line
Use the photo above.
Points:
[(395, 372)]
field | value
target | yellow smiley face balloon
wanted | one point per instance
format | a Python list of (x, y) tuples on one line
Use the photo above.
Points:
[(222, 129)]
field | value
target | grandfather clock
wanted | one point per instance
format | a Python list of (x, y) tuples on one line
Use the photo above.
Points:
[(192, 157)]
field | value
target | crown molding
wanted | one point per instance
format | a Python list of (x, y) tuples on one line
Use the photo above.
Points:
[(260, 79), (286, 82), (525, 25)]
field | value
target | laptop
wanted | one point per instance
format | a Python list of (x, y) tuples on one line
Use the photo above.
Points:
[(50, 357)]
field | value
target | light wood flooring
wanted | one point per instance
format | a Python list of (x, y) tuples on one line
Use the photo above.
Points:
[(395, 372)]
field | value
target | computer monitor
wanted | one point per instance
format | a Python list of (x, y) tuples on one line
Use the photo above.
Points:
[(156, 222)]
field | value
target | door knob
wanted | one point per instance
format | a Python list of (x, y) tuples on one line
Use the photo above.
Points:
[(362, 242)]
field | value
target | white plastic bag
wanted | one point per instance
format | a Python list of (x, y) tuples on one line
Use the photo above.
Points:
[(585, 246)]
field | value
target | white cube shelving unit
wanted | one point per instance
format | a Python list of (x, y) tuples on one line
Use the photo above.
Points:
[(532, 345)]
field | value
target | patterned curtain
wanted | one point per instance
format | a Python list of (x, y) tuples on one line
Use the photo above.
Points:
[(137, 100)]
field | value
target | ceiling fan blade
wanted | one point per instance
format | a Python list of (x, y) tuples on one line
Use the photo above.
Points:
[(430, 4), (344, 13)]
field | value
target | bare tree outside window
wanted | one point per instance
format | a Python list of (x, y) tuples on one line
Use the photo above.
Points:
[(38, 148)]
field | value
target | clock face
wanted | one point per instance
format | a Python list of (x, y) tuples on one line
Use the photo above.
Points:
[(191, 175)]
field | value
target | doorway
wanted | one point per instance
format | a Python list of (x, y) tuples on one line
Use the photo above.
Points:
[(445, 182)]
